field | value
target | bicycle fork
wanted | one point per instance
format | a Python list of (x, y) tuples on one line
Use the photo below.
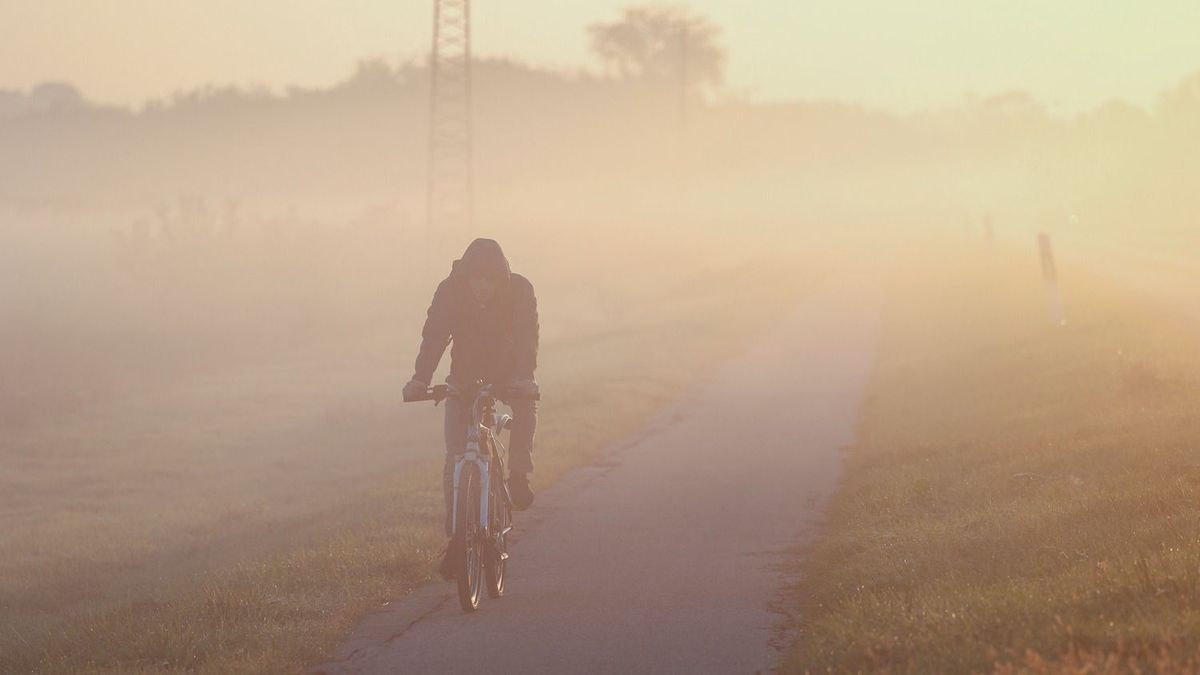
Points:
[(472, 456)]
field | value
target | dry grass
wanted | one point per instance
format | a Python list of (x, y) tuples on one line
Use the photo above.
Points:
[(242, 521), (1023, 497)]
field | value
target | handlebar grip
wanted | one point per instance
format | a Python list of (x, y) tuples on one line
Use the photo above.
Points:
[(437, 393)]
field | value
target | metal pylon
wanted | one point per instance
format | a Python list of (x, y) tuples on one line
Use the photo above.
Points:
[(450, 198)]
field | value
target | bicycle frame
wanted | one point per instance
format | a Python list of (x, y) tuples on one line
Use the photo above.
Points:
[(484, 403)]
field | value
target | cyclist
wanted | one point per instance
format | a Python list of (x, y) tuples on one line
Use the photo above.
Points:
[(490, 314)]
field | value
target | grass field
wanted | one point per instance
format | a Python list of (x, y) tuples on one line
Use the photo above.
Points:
[(1023, 496), (242, 520)]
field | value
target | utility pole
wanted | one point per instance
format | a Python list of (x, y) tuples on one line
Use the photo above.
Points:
[(449, 205)]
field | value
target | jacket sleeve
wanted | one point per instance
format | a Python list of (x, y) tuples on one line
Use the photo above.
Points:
[(436, 333), (525, 331)]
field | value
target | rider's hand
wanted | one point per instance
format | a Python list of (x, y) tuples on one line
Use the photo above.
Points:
[(523, 387), (415, 389)]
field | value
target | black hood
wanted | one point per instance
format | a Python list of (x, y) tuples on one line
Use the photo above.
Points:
[(484, 258)]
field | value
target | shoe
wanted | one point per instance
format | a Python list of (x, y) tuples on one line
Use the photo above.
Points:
[(519, 490), (448, 568)]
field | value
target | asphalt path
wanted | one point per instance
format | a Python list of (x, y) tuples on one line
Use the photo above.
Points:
[(677, 551)]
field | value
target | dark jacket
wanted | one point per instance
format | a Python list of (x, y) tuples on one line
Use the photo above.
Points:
[(496, 342)]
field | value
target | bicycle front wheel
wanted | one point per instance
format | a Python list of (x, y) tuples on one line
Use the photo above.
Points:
[(496, 560), (468, 531)]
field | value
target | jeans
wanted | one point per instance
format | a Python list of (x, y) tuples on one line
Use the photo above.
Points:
[(520, 444)]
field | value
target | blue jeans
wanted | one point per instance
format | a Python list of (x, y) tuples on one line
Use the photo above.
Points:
[(520, 444)]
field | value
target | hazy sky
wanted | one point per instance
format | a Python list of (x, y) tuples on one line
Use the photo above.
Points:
[(905, 54)]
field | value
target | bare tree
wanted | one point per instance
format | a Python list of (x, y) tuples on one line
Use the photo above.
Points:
[(661, 43)]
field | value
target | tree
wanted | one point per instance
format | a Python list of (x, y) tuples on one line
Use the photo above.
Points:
[(1182, 103), (659, 44)]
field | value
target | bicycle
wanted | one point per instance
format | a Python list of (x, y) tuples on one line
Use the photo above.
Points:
[(480, 526)]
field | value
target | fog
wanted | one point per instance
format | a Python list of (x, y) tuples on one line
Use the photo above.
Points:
[(226, 218), (174, 274)]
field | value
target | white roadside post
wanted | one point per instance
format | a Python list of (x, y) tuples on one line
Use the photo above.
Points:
[(1050, 275)]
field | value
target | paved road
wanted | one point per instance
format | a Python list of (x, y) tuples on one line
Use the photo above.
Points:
[(667, 556)]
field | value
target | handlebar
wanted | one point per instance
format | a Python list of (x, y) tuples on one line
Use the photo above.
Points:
[(509, 395), (436, 393), (441, 392)]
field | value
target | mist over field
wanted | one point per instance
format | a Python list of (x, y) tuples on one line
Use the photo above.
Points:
[(227, 217), (223, 172), (209, 303)]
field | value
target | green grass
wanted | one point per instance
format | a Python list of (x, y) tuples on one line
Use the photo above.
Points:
[(243, 521), (1023, 497)]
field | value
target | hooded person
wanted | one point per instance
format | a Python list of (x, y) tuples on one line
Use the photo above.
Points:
[(489, 314)]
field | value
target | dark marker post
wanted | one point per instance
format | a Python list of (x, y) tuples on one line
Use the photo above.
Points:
[(1050, 276)]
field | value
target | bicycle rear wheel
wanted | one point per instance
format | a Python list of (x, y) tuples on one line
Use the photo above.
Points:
[(470, 572)]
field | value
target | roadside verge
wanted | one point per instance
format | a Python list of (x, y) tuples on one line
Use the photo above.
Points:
[(1022, 495)]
